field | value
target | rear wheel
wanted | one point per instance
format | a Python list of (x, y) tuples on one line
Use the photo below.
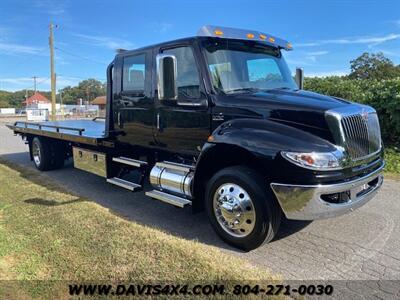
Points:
[(47, 154), (241, 207)]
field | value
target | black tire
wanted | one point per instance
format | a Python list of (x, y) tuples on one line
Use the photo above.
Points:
[(47, 155), (267, 211)]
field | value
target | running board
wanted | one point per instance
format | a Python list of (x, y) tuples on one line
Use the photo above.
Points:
[(130, 161), (168, 198), (124, 184)]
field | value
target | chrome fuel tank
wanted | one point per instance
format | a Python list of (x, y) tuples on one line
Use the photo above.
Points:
[(172, 177)]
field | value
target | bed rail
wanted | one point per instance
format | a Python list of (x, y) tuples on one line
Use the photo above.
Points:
[(40, 126)]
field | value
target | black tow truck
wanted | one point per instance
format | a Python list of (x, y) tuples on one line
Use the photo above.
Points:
[(217, 122)]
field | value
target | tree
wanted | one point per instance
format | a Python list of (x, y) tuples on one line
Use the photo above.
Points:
[(5, 98), (15, 99), (87, 90), (373, 66)]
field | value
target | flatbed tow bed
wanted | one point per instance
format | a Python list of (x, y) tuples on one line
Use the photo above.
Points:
[(91, 132)]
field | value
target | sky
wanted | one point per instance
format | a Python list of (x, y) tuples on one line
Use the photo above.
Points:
[(326, 34)]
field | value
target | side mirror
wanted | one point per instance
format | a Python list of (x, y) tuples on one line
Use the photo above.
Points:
[(300, 78), (166, 77)]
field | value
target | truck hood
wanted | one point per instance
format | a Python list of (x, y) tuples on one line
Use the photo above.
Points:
[(298, 108)]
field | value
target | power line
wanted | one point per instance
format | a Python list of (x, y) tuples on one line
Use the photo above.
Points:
[(84, 78), (81, 57), (40, 82), (37, 83)]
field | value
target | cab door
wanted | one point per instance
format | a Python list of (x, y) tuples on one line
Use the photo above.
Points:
[(133, 103), (182, 125)]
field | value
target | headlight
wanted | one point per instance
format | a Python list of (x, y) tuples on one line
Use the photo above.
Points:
[(316, 160)]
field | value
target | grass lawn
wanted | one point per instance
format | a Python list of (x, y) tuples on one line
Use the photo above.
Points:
[(392, 157), (46, 233)]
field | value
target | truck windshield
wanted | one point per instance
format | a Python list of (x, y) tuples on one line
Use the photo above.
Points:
[(241, 66)]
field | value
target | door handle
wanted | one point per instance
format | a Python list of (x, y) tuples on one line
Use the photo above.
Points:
[(158, 122), (119, 120)]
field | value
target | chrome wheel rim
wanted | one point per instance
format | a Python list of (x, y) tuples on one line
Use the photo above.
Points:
[(234, 210), (36, 154)]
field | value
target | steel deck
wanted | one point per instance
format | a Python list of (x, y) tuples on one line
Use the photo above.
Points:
[(82, 131)]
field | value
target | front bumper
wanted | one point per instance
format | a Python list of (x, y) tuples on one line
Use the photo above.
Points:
[(306, 202)]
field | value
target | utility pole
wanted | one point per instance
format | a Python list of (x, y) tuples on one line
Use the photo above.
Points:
[(55, 97), (61, 104), (52, 73), (34, 84)]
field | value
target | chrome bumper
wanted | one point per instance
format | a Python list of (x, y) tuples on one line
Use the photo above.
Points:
[(304, 202)]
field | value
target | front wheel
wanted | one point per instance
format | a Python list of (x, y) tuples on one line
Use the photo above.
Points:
[(241, 207)]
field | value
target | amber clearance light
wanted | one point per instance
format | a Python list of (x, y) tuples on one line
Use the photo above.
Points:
[(250, 36), (263, 37)]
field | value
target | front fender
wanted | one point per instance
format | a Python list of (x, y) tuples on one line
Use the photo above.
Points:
[(254, 143), (264, 137)]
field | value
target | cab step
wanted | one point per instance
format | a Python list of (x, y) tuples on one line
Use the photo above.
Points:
[(130, 161), (131, 186), (168, 198)]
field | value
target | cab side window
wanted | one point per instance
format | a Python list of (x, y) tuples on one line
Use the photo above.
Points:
[(134, 69), (188, 81)]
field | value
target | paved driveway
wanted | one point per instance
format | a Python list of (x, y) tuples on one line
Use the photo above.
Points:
[(362, 245)]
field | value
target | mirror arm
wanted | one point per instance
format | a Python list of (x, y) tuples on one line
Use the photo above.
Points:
[(300, 78)]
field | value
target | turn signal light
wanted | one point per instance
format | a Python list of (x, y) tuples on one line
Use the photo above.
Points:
[(316, 160), (307, 158)]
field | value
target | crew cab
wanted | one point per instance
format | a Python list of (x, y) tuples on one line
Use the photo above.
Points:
[(218, 123)]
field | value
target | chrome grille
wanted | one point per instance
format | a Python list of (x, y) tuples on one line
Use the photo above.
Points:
[(374, 132), (355, 127), (361, 134)]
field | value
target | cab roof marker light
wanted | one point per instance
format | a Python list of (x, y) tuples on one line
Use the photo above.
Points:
[(242, 34)]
